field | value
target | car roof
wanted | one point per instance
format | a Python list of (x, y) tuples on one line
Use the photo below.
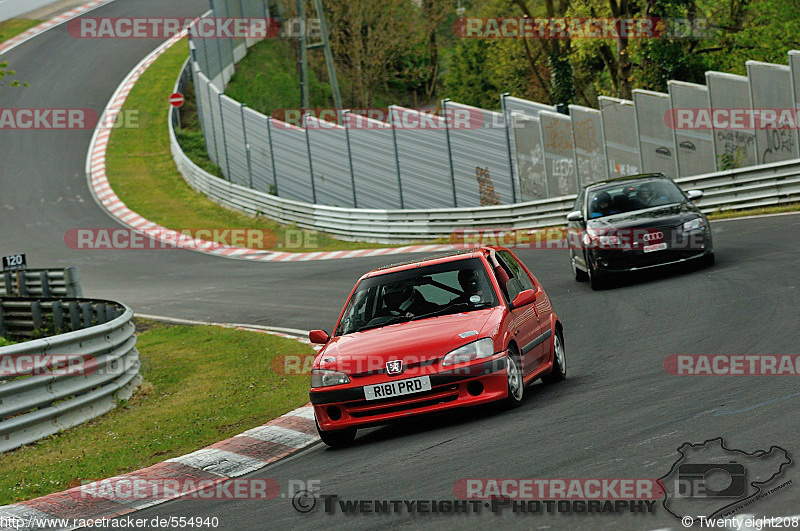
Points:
[(632, 178), (432, 259)]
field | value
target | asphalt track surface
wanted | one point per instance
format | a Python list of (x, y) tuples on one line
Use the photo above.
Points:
[(619, 414)]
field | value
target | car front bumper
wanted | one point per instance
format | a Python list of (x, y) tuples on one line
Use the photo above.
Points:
[(470, 385), (622, 261)]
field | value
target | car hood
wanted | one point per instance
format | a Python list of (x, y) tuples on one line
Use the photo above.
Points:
[(413, 342), (661, 216)]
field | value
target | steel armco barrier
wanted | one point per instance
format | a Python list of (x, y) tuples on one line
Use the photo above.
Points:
[(36, 402), (526, 152), (42, 283), (768, 184)]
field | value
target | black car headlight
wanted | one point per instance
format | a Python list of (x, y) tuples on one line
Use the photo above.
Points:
[(326, 378), (693, 226)]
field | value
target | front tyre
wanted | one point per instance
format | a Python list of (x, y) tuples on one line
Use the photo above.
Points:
[(337, 438), (580, 275), (559, 372), (516, 386)]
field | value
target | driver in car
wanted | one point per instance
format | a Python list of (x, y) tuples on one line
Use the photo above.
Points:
[(473, 286), (601, 206), (403, 299)]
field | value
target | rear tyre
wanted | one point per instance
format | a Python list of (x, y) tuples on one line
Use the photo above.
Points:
[(516, 386), (708, 260), (337, 438), (559, 372)]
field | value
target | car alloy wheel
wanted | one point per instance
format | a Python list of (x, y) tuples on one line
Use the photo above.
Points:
[(559, 371), (516, 386)]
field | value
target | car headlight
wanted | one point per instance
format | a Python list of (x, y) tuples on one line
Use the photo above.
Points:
[(694, 225), (593, 237), (482, 348), (325, 378)]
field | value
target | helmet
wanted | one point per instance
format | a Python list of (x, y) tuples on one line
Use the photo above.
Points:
[(469, 280), (602, 198), (394, 295)]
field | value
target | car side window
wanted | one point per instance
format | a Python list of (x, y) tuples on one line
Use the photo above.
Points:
[(520, 275)]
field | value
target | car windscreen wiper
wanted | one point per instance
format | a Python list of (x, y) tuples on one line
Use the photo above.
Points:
[(447, 309), (395, 319)]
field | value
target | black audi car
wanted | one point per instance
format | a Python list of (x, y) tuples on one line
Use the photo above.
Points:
[(633, 223)]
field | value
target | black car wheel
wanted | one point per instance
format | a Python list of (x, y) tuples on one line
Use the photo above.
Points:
[(336, 438), (516, 385), (559, 371), (595, 282), (708, 260)]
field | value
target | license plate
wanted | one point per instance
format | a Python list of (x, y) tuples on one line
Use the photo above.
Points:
[(656, 247), (398, 388)]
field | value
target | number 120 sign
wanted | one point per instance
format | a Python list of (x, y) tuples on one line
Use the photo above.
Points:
[(14, 262)]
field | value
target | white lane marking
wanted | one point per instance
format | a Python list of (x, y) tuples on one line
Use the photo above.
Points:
[(307, 412), (226, 464), (277, 434)]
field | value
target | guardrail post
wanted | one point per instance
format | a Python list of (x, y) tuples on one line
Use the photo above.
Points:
[(36, 315), (272, 154), (224, 140), (350, 156), (310, 162), (74, 316), (58, 316), (45, 280), (449, 150), (396, 156), (507, 124), (22, 283), (246, 147), (88, 314), (72, 281), (2, 323), (9, 285)]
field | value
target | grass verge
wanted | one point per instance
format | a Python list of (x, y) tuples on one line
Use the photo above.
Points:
[(6, 342), (15, 26), (144, 176), (201, 384), (267, 80), (778, 209)]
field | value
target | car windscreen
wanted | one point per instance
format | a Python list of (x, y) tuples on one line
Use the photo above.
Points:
[(418, 293), (631, 196)]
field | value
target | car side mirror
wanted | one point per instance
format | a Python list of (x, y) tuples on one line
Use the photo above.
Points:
[(694, 194), (318, 337), (524, 298), (574, 216)]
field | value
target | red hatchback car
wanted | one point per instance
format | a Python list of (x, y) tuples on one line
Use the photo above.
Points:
[(433, 334)]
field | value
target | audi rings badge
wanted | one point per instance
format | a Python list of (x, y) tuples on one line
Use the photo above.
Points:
[(653, 236)]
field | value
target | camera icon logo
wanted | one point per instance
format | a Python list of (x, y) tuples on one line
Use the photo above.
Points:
[(711, 480), (708, 479)]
